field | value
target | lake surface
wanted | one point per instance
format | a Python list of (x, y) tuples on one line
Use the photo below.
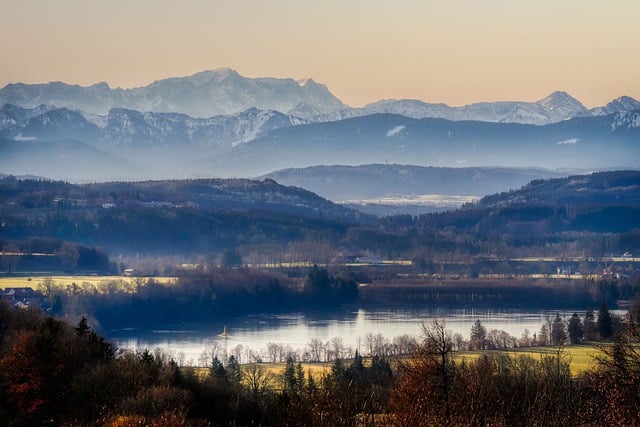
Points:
[(188, 343)]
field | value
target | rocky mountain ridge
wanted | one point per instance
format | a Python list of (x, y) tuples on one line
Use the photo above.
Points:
[(225, 92)]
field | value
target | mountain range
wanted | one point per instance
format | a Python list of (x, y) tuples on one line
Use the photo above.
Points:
[(203, 94), (224, 92), (583, 143), (221, 124), (126, 144)]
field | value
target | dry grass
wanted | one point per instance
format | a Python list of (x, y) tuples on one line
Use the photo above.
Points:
[(32, 282), (580, 357)]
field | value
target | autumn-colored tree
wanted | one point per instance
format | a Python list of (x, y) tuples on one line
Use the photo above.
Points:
[(38, 370), (421, 396)]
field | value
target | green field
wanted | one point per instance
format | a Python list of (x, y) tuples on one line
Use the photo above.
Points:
[(32, 282)]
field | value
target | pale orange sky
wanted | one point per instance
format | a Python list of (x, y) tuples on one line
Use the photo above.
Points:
[(451, 51)]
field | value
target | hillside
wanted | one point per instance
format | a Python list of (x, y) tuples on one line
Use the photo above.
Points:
[(586, 215), (604, 202), (582, 143), (192, 216)]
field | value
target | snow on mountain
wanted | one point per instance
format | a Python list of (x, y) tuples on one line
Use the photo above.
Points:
[(581, 142), (563, 105), (11, 115), (626, 120), (554, 108), (204, 94), (130, 128), (224, 92), (623, 103)]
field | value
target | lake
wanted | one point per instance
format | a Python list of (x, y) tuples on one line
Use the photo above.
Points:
[(251, 334)]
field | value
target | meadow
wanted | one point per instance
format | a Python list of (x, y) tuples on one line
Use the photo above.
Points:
[(581, 358), (66, 280)]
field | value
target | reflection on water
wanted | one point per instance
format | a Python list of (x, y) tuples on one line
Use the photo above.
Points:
[(297, 329)]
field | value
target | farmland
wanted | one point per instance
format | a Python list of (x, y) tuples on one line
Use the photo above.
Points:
[(66, 280)]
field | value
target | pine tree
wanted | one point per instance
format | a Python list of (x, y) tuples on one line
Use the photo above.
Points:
[(543, 336), (289, 376), (605, 322), (576, 331), (233, 370), (478, 336), (558, 330), (357, 364), (589, 326), (217, 369)]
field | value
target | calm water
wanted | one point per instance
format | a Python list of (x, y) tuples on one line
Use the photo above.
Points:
[(189, 343)]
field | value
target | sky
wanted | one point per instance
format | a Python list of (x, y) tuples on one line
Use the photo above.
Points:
[(451, 51)]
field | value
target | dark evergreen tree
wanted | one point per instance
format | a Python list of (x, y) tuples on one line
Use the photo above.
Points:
[(289, 377), (233, 370), (590, 326), (558, 330), (217, 370), (575, 329), (478, 336), (605, 322)]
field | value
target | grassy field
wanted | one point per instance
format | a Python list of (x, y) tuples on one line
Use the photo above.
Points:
[(580, 357), (24, 282)]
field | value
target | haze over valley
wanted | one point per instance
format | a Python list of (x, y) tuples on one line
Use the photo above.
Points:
[(221, 124)]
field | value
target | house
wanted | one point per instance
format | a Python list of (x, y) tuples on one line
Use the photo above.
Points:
[(128, 272), (21, 297)]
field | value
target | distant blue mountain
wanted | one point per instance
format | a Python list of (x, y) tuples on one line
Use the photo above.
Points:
[(583, 143)]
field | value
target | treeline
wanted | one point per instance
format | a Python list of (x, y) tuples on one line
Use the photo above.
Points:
[(205, 293), (200, 295), (492, 293), (54, 373), (42, 254)]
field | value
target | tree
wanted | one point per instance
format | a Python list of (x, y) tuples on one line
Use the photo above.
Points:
[(217, 370), (257, 379), (589, 326), (478, 340), (316, 349), (231, 259), (319, 281), (575, 329), (605, 322), (543, 336), (289, 376), (558, 330), (10, 257), (614, 385), (69, 255), (422, 393), (233, 370)]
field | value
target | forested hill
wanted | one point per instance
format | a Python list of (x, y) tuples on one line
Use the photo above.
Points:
[(603, 202), (601, 188), (187, 216), (227, 194)]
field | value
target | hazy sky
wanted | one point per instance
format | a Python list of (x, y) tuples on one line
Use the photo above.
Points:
[(452, 51)]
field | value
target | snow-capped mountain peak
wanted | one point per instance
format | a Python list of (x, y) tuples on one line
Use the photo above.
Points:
[(562, 103)]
